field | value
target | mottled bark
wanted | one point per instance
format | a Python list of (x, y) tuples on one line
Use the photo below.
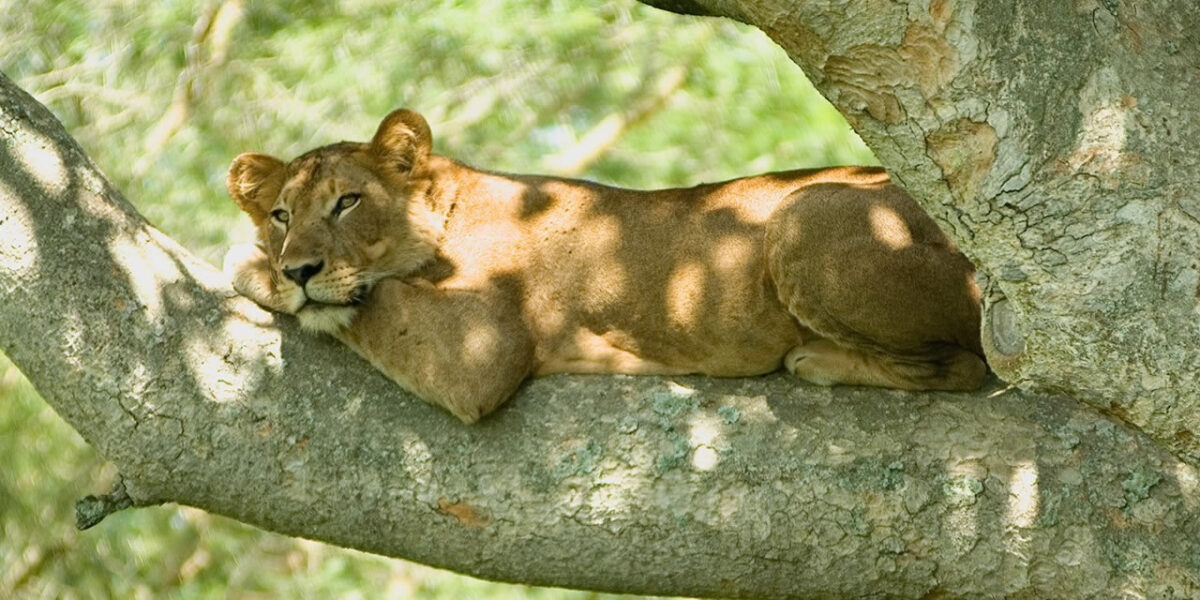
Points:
[(1055, 142), (761, 487)]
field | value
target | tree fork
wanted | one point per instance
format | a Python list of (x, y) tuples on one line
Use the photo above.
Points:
[(1052, 141), (760, 487)]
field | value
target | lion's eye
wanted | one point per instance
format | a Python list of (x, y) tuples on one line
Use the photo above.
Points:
[(281, 216), (346, 202)]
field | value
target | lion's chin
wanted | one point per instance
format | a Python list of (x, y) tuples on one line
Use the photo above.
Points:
[(327, 318)]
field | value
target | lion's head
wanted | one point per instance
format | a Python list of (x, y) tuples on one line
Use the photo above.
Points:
[(338, 219)]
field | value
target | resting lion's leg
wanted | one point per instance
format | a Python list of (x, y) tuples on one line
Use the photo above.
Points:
[(825, 362), (890, 299), (248, 268), (464, 351)]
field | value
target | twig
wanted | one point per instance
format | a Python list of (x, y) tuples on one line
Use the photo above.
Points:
[(214, 28), (92, 509), (608, 132)]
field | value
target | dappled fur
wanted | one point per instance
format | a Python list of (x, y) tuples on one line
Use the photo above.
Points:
[(459, 283)]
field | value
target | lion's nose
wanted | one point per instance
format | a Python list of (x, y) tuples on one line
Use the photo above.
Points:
[(303, 273)]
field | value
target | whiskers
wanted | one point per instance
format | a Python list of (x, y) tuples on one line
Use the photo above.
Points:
[(367, 278)]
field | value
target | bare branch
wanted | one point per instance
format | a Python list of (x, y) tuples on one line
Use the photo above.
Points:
[(92, 509), (607, 133)]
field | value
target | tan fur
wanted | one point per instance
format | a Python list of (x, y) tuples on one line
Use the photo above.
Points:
[(459, 283)]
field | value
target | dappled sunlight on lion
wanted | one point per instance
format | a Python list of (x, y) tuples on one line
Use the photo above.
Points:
[(460, 283)]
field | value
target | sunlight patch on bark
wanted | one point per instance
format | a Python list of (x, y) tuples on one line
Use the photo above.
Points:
[(1189, 483), (1022, 509), (704, 458), (211, 356), (147, 268), (18, 241), (418, 463), (755, 410), (704, 431), (964, 483), (73, 341), (680, 389), (1023, 494), (1101, 139), (1101, 146), (41, 160), (614, 490)]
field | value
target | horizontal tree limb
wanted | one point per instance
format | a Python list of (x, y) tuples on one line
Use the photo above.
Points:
[(760, 487)]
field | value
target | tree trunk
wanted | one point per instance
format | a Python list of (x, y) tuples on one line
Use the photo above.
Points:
[(759, 487), (1055, 142)]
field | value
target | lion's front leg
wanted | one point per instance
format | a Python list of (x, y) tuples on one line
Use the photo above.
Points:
[(248, 267), (466, 351)]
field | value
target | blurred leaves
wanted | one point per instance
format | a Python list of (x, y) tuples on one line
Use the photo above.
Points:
[(505, 84)]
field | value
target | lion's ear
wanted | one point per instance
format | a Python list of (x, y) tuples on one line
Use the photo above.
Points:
[(403, 140), (254, 182)]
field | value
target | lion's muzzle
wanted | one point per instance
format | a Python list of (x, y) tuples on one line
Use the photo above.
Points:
[(301, 274), (332, 286)]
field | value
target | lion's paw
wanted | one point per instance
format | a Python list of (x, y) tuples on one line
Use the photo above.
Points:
[(815, 362), (249, 270), (241, 258)]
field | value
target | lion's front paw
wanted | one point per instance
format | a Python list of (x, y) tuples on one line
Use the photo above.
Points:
[(249, 270), (242, 258)]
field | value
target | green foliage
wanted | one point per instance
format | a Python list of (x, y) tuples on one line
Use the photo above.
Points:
[(504, 84)]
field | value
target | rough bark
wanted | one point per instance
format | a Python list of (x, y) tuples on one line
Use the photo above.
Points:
[(1053, 140), (762, 487)]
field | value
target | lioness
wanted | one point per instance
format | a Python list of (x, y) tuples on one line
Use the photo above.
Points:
[(459, 283)]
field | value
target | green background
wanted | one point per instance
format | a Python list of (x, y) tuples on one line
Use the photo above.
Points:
[(163, 94)]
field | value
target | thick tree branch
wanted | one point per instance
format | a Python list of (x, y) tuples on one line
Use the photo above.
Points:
[(761, 487)]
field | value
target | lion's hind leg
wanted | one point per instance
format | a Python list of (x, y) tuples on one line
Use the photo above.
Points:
[(825, 362), (888, 298)]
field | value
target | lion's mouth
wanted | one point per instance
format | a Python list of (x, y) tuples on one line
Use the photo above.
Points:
[(357, 297)]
